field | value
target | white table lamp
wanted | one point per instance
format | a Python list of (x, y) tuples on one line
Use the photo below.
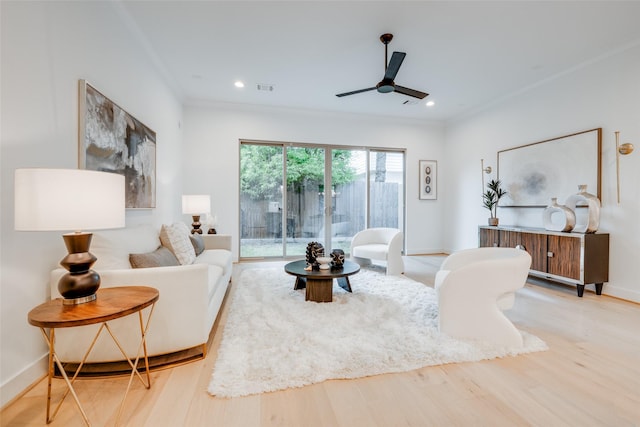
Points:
[(196, 205), (72, 200)]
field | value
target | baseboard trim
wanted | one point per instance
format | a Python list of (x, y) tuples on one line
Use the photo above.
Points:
[(19, 384)]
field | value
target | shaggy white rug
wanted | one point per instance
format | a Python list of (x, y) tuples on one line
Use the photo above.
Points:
[(274, 339)]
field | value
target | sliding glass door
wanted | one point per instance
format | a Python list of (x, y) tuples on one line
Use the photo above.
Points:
[(330, 194), (261, 200), (386, 189), (305, 172)]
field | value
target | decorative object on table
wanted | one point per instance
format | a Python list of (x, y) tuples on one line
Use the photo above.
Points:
[(212, 222), (196, 205), (591, 223), (567, 217), (428, 179), (534, 173), (325, 262), (486, 170), (111, 140), (71, 199), (623, 149), (314, 250), (490, 199), (337, 258)]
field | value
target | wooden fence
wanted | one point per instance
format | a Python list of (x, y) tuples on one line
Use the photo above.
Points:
[(305, 212)]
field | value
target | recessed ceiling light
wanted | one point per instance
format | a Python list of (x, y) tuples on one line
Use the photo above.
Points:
[(238, 84), (430, 104)]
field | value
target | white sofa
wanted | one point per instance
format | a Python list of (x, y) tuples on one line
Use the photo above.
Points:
[(474, 286), (190, 296), (384, 244)]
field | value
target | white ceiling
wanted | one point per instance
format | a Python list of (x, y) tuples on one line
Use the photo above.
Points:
[(464, 54)]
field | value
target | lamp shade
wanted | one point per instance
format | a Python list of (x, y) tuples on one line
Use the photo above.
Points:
[(196, 204), (68, 199)]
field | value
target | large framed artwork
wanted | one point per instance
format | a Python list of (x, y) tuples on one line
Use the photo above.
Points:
[(534, 173), (111, 140), (428, 180)]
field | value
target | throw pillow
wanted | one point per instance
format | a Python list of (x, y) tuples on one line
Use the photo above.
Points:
[(176, 238), (161, 257), (198, 243)]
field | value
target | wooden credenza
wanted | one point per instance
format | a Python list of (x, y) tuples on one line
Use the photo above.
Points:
[(575, 258)]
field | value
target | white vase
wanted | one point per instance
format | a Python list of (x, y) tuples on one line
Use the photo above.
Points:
[(324, 262), (567, 217), (590, 223)]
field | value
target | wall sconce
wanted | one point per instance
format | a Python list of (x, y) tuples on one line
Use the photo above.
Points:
[(486, 170), (623, 149)]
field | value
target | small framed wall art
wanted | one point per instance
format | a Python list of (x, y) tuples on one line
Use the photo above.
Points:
[(111, 140), (428, 180)]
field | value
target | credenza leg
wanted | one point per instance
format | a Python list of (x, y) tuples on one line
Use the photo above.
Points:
[(599, 288), (580, 290)]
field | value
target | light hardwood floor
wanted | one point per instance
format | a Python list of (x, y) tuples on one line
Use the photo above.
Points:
[(589, 377)]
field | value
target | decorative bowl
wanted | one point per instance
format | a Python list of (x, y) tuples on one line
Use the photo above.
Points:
[(324, 262)]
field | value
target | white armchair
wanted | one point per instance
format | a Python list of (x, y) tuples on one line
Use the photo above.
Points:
[(474, 286), (383, 244)]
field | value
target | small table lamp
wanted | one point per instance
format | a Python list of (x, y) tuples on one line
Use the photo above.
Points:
[(71, 199), (196, 205)]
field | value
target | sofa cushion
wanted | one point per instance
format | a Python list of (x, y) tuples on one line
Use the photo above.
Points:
[(161, 257), (197, 242), (112, 247), (176, 238), (220, 257)]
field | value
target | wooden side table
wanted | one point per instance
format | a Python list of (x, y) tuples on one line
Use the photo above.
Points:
[(111, 303)]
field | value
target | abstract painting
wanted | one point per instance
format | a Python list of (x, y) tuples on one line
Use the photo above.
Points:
[(111, 140), (534, 173), (428, 180)]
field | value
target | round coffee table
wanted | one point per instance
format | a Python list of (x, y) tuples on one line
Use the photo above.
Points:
[(319, 283)]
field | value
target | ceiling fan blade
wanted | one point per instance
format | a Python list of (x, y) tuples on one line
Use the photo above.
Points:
[(394, 65), (355, 91), (411, 92)]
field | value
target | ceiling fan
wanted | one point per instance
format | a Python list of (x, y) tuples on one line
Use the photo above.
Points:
[(387, 84)]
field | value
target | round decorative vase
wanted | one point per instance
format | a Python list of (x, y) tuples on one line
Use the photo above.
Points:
[(554, 210), (314, 250), (493, 222), (582, 198), (337, 258)]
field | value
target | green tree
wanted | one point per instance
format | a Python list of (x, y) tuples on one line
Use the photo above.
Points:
[(261, 169)]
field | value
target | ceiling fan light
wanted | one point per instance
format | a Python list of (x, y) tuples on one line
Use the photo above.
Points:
[(385, 86)]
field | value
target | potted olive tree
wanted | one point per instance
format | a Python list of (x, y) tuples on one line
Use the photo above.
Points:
[(490, 199)]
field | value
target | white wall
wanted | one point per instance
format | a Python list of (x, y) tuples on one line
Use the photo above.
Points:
[(211, 157), (605, 94), (46, 48)]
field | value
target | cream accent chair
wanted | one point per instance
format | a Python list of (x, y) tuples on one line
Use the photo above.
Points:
[(383, 244), (474, 286)]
